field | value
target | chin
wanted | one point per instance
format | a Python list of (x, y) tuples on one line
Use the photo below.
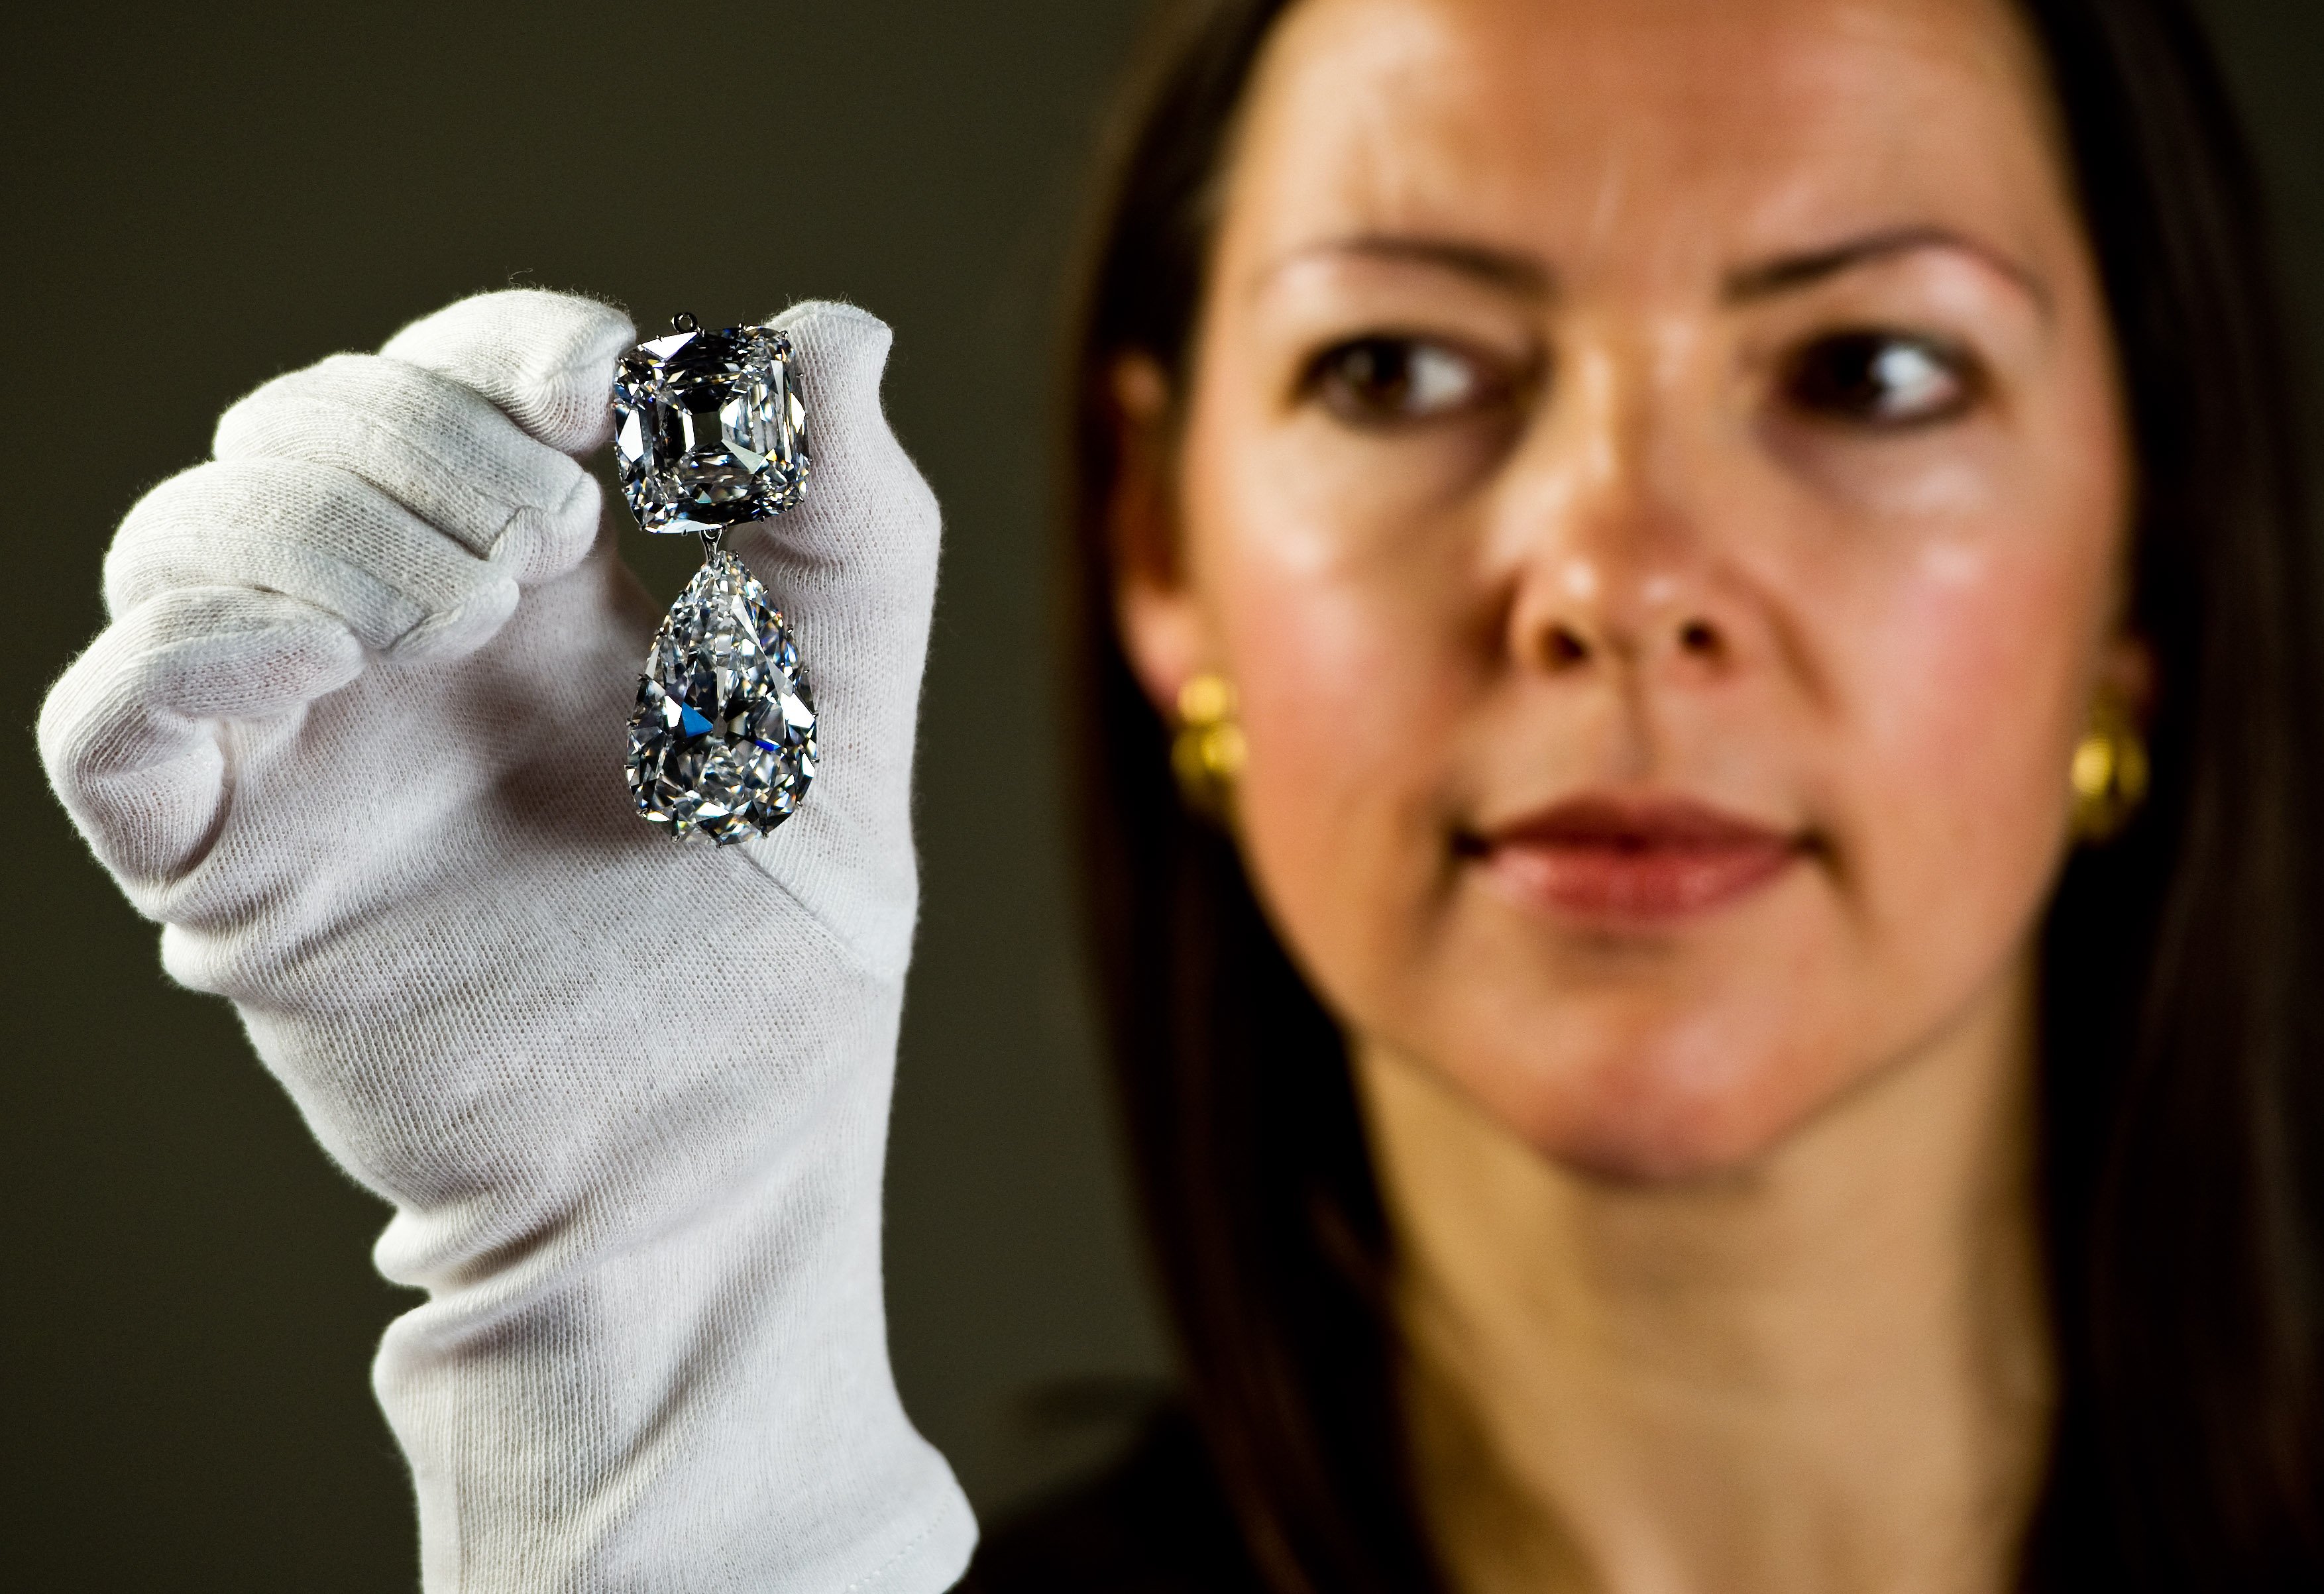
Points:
[(1656, 1113)]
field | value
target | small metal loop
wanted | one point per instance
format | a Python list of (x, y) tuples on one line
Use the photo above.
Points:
[(684, 321), (712, 536)]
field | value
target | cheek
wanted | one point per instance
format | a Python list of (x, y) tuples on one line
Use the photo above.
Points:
[(1350, 643), (1961, 640), (1964, 685)]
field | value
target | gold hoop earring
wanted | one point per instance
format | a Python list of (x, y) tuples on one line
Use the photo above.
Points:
[(1206, 754), (2109, 773)]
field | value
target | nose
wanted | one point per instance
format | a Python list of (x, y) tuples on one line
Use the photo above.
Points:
[(1615, 566), (1605, 617)]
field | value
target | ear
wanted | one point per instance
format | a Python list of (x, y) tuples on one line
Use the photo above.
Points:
[(2127, 673), (1161, 621)]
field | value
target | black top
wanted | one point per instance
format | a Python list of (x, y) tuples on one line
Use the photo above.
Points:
[(1154, 1522)]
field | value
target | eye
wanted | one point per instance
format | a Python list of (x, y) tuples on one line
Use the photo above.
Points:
[(1882, 379), (1382, 381)]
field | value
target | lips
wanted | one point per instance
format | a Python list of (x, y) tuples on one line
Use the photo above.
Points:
[(1634, 860)]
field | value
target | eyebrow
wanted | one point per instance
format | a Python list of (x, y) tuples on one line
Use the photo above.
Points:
[(1521, 273), (1496, 268), (1790, 272)]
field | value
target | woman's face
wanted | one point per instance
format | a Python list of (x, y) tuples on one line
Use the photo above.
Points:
[(1654, 472)]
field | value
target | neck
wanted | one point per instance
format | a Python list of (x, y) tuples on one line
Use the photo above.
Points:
[(1829, 1371)]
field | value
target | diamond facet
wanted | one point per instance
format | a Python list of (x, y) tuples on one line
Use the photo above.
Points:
[(723, 741), (709, 429)]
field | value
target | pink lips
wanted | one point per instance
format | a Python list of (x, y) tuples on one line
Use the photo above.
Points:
[(1606, 858)]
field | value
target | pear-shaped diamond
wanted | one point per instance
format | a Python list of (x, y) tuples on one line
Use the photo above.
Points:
[(723, 741)]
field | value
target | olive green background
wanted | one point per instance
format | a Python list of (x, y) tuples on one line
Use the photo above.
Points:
[(198, 199)]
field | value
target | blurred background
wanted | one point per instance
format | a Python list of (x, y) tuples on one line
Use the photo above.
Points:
[(199, 198)]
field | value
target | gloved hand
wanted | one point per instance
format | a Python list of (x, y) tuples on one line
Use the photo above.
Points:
[(355, 735)]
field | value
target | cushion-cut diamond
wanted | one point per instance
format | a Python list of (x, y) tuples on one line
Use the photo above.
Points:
[(723, 741), (708, 428)]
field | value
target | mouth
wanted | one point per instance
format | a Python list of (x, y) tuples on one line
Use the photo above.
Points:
[(1633, 861)]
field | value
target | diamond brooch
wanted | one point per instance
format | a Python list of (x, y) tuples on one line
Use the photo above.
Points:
[(710, 431)]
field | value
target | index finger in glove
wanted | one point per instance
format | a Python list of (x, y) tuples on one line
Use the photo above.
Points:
[(546, 359), (435, 446)]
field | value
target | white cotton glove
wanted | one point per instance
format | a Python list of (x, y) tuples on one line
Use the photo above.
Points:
[(354, 736)]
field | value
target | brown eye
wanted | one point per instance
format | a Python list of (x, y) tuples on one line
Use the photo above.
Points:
[(1382, 381), (1881, 379)]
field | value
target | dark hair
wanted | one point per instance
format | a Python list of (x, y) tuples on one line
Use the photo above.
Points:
[(2180, 1008)]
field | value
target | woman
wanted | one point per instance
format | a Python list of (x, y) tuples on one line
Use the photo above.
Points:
[(1635, 561), (1518, 404)]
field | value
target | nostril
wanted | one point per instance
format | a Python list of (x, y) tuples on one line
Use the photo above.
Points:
[(1565, 647), (1699, 638)]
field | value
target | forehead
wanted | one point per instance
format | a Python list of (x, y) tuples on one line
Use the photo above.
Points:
[(1581, 127)]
